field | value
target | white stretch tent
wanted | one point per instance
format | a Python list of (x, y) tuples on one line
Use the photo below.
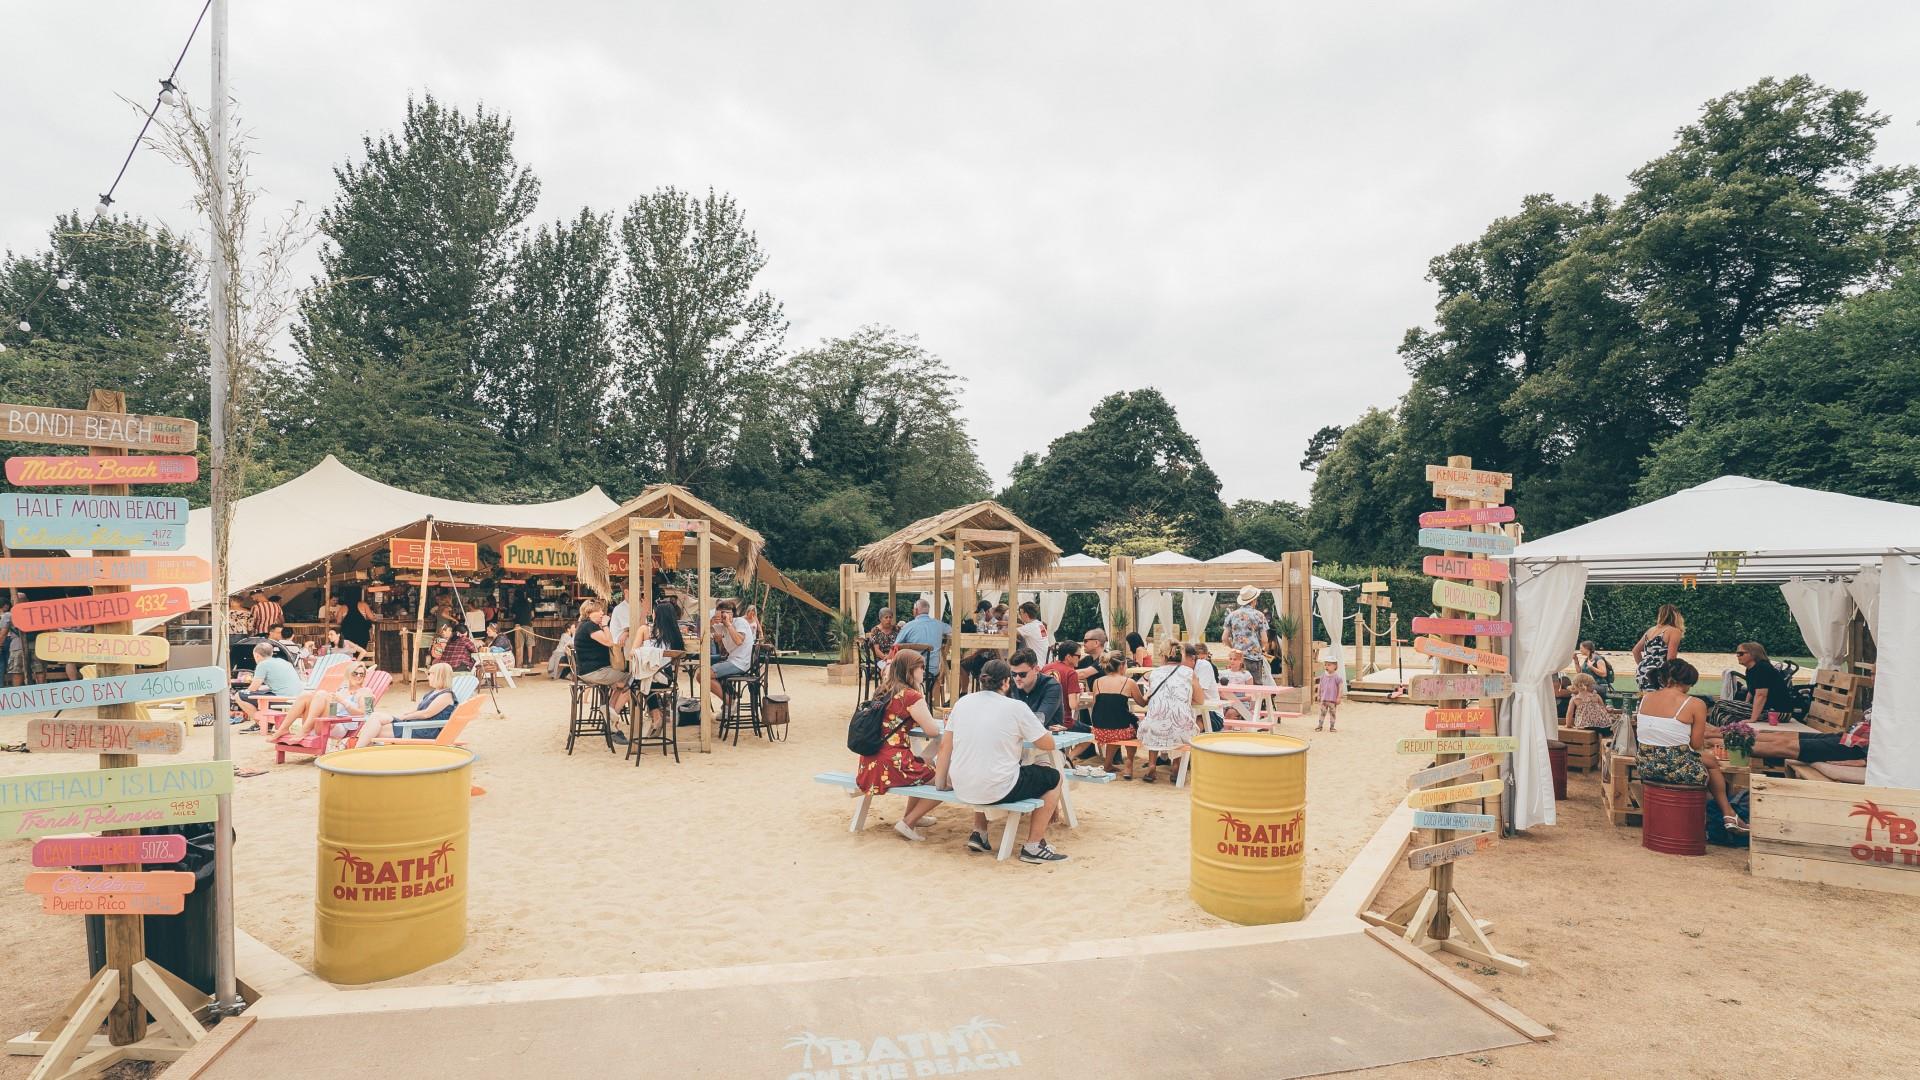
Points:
[(1768, 533), (286, 530)]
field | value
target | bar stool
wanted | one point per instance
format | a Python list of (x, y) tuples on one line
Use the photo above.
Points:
[(740, 699), (590, 713), (668, 702)]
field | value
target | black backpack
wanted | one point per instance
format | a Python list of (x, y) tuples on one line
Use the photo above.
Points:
[(867, 733)]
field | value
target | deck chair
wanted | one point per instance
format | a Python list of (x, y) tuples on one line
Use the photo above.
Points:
[(464, 687), (449, 735), (329, 673), (314, 743)]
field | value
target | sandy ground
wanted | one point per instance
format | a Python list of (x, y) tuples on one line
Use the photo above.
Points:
[(586, 865)]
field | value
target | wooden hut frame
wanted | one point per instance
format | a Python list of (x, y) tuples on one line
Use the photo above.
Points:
[(636, 527), (989, 545)]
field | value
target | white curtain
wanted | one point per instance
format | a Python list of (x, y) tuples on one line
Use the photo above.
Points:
[(1546, 624), (861, 598), (1052, 606), (1893, 756), (1331, 608), (1106, 617), (1155, 604), (1823, 609), (991, 596), (1865, 590), (1196, 607)]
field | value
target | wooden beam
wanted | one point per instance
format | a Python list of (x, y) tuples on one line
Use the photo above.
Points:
[(990, 536), (1520, 1022), (706, 641)]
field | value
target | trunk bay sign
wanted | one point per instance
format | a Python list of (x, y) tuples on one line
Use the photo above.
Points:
[(1459, 719), (103, 608), (78, 427), (113, 690), (94, 522), (142, 649), (61, 736), (73, 470), (115, 570), (109, 850)]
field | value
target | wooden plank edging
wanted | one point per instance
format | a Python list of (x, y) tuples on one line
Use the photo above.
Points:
[(1492, 1006)]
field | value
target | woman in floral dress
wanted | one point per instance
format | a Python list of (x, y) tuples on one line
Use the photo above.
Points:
[(1174, 697), (896, 765)]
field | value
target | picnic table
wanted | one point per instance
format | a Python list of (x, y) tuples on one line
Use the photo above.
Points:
[(1057, 757), (1257, 705)]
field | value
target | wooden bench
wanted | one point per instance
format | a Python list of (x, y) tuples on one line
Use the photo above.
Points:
[(1840, 700), (1583, 748), (1016, 811)]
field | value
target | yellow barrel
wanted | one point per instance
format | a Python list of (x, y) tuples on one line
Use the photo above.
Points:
[(1248, 830), (391, 874)]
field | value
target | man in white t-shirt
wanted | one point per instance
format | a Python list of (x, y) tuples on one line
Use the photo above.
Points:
[(981, 757), (1033, 633), (619, 623), (733, 637)]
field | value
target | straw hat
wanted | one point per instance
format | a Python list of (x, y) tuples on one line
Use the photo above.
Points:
[(1249, 593)]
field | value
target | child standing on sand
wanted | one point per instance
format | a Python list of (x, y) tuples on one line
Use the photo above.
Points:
[(1332, 685)]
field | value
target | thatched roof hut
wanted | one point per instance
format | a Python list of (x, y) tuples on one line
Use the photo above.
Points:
[(895, 555)]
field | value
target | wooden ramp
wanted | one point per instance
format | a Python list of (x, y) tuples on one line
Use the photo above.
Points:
[(1318, 1000)]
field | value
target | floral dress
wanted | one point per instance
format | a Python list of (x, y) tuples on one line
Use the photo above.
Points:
[(1169, 723), (1653, 658), (896, 765)]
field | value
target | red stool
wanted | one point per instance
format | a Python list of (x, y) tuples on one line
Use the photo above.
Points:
[(1673, 820), (1557, 758)]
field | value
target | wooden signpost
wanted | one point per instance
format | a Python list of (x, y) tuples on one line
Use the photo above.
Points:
[(90, 610), (144, 650), (63, 736), (103, 571), (121, 797), (63, 471), (1431, 646), (101, 850), (1436, 917)]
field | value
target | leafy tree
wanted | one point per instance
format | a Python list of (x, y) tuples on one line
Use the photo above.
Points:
[(1268, 528), (1319, 445), (695, 338), (1354, 517), (410, 301), (1834, 405), (1145, 533), (1132, 458)]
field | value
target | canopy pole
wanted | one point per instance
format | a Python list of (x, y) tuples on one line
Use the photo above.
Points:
[(420, 612)]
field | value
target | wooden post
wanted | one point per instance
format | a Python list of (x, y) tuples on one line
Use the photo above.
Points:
[(636, 604), (893, 592), (846, 596), (1297, 591), (420, 614), (950, 665), (706, 635), (1442, 882), (125, 934)]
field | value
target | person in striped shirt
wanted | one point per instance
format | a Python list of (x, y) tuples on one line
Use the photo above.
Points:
[(266, 611)]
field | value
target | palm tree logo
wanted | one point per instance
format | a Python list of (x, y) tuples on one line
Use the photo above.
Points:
[(980, 1026), (444, 851), (1229, 823), (1875, 815), (347, 860), (809, 1042)]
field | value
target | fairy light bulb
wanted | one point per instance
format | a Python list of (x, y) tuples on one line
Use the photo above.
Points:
[(26, 327), (167, 95), (63, 284), (105, 206)]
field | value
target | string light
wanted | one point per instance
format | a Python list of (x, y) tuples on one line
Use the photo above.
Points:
[(167, 95)]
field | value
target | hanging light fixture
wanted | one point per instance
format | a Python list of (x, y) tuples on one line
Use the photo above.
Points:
[(104, 207), (26, 327), (63, 284), (168, 96)]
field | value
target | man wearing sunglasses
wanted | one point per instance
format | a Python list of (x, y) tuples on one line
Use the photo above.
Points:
[(1037, 690)]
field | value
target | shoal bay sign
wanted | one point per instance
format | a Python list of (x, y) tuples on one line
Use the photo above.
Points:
[(76, 470), (1461, 540), (144, 650), (64, 736), (112, 690), (115, 570), (78, 427), (101, 608), (101, 800)]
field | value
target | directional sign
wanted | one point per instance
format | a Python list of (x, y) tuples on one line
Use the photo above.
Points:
[(115, 904), (96, 522), (1472, 744), (1373, 586), (1455, 566), (52, 791), (1377, 600), (62, 471), (145, 814), (1480, 515), (1450, 687), (77, 427), (1426, 624), (119, 570), (112, 690), (1448, 771), (1447, 650), (63, 736), (1453, 489), (101, 608), (76, 882), (1436, 819), (1441, 796), (1459, 719), (1460, 540), (142, 649), (1450, 851), (109, 850), (1453, 594), (447, 554), (1438, 473)]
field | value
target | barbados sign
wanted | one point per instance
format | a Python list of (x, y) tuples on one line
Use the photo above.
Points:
[(140, 649), (113, 690), (118, 570), (1453, 594), (103, 608), (52, 471), (1459, 540), (77, 427)]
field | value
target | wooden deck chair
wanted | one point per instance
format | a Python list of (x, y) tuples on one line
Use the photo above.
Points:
[(314, 743), (449, 735), (329, 673), (464, 687)]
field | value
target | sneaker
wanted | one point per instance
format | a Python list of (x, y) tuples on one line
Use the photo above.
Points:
[(249, 729), (978, 842), (619, 737), (203, 720), (906, 830), (1040, 853), (926, 821)]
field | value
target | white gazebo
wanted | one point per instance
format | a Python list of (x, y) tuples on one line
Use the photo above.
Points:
[(1828, 552)]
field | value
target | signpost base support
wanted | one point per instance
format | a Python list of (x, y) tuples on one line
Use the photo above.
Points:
[(1466, 935), (69, 1048)]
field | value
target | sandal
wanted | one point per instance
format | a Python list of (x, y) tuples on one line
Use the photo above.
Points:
[(1733, 824), (1150, 774)]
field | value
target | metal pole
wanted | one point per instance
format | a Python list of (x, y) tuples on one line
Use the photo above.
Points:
[(225, 985)]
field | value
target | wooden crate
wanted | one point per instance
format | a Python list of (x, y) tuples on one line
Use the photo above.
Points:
[(1836, 834), (1619, 790), (1583, 748), (1840, 700)]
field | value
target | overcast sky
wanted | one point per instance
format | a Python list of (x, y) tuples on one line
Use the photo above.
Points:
[(1234, 203)]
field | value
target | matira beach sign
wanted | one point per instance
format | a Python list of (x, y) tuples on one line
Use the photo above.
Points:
[(75, 470), (78, 427)]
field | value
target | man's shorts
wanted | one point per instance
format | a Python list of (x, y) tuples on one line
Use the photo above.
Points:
[(606, 676), (1034, 781), (726, 669), (1815, 748)]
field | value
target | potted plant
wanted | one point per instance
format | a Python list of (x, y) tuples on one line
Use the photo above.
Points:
[(1284, 627), (1737, 737), (844, 634)]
